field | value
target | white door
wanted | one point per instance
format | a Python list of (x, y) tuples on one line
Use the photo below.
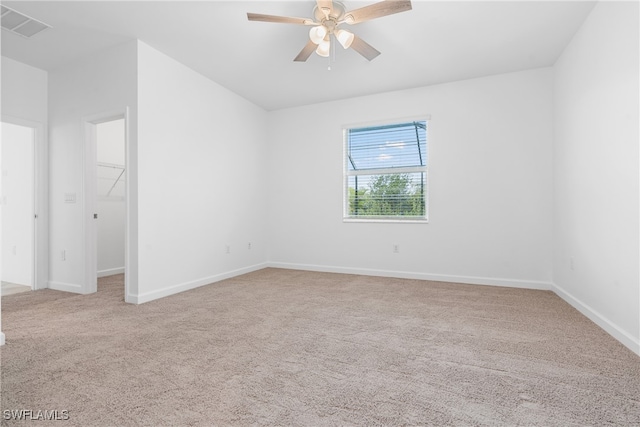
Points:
[(17, 153)]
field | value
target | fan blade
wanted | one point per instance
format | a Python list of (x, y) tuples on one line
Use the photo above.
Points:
[(279, 19), (306, 51), (325, 6), (376, 10), (364, 48)]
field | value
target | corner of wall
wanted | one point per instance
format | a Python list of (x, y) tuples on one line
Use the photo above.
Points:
[(629, 341)]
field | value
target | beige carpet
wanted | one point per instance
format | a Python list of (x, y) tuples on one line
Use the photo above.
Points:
[(280, 347)]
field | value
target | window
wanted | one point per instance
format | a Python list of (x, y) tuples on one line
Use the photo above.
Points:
[(385, 172)]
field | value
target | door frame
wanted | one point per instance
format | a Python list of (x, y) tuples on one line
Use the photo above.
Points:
[(40, 225), (90, 229)]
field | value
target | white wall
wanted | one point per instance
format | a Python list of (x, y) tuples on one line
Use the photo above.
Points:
[(490, 185), (110, 202), (24, 101), (202, 179), (17, 204), (596, 171), (24, 91), (101, 83)]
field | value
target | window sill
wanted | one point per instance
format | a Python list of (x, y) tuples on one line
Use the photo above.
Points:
[(387, 220)]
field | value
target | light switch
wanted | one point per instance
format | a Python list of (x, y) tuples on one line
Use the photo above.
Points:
[(69, 197)]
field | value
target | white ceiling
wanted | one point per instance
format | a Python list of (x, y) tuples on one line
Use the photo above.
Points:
[(436, 42)]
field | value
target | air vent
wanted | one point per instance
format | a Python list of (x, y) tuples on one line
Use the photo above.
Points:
[(20, 24)]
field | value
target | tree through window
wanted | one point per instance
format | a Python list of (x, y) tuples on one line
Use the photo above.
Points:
[(386, 172)]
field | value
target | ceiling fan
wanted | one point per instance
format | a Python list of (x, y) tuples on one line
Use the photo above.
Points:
[(328, 15)]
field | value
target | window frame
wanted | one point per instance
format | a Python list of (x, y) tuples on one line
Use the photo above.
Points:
[(346, 173)]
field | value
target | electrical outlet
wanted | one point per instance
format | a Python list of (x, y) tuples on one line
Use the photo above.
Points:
[(249, 246), (63, 255), (228, 249), (396, 248)]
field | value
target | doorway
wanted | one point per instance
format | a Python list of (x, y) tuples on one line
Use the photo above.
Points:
[(106, 200), (110, 197), (17, 158)]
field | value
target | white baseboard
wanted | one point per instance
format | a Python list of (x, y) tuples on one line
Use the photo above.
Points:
[(625, 338), (472, 280), (171, 290), (611, 328), (66, 287), (110, 272), (1, 338)]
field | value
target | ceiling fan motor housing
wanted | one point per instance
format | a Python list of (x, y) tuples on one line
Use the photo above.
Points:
[(330, 20)]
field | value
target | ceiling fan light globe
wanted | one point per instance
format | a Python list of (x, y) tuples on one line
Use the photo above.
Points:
[(345, 38), (317, 34), (324, 48)]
